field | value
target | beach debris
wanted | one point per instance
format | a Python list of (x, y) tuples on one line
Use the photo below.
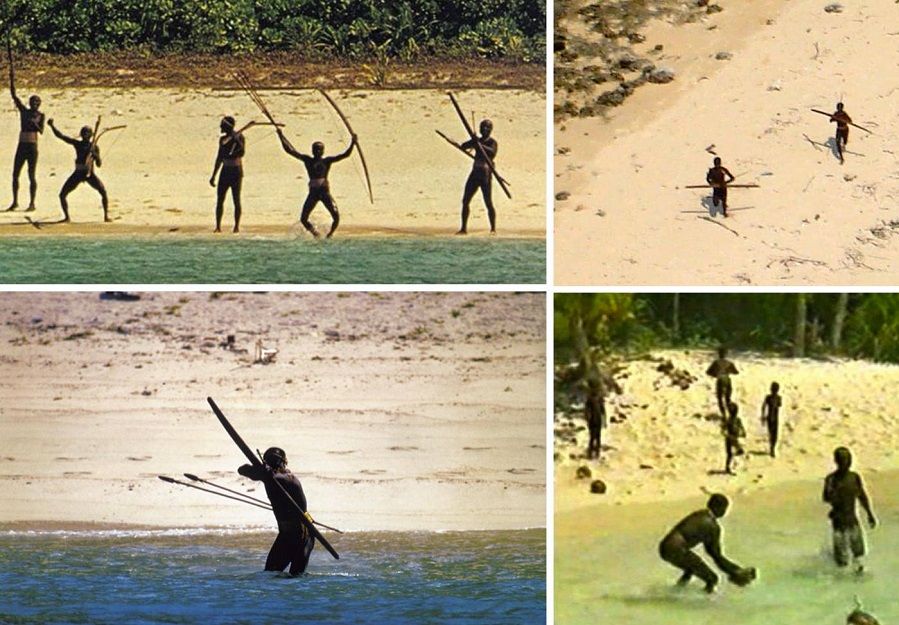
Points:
[(775, 86), (648, 467), (724, 56), (711, 149), (714, 8), (119, 296), (660, 75), (834, 7), (583, 472), (264, 355), (680, 378), (561, 196), (859, 616), (598, 487), (228, 343), (702, 3)]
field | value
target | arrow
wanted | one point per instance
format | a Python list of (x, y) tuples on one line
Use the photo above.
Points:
[(830, 115), (728, 186), (172, 480), (464, 151), (257, 463), (346, 123), (478, 146)]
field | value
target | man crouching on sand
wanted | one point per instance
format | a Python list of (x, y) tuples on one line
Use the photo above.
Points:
[(702, 527)]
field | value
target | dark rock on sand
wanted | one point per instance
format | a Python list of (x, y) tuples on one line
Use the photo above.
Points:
[(584, 472), (598, 487)]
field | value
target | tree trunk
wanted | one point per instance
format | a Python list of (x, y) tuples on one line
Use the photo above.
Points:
[(799, 331), (675, 318), (839, 318)]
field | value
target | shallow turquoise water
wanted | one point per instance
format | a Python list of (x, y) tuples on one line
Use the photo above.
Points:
[(448, 260), (606, 576), (214, 577)]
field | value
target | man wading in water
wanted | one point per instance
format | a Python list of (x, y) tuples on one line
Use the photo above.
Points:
[(31, 124), (702, 527), (317, 167), (294, 543), (87, 154), (232, 147), (841, 490), (481, 176)]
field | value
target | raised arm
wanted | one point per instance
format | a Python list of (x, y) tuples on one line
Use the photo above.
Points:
[(256, 473), (288, 147), (12, 83), (59, 135), (346, 152)]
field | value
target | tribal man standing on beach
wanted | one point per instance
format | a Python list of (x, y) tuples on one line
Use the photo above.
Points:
[(481, 176), (702, 527), (87, 154), (841, 490), (232, 147), (317, 167), (716, 177), (842, 120), (721, 369), (294, 543), (31, 124)]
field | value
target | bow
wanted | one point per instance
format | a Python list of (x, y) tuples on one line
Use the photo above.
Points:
[(358, 146), (478, 146)]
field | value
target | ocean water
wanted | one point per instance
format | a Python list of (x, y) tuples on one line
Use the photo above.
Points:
[(608, 571), (195, 576), (248, 260)]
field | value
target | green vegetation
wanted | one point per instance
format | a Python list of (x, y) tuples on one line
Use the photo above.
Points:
[(314, 29), (862, 325)]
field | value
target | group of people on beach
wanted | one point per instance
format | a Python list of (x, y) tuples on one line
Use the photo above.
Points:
[(718, 177), (228, 167)]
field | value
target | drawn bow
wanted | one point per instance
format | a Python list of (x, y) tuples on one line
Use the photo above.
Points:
[(346, 123)]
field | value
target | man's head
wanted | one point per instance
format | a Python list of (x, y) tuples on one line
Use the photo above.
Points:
[(732, 409), (839, 106), (775, 387), (275, 457), (486, 127), (717, 161), (843, 458), (86, 133), (318, 148), (722, 351), (718, 504), (227, 124), (861, 618), (34, 102)]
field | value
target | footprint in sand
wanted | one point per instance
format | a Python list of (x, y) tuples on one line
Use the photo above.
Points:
[(520, 471), (78, 473), (400, 448), (343, 452), (207, 455), (139, 458), (477, 448), (372, 471), (66, 459)]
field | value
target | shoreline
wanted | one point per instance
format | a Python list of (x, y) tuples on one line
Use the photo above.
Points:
[(116, 530)]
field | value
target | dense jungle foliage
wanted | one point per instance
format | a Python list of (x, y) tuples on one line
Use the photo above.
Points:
[(861, 325), (401, 29)]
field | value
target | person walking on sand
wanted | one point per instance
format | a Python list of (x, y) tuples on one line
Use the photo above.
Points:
[(733, 432), (721, 369), (294, 542), (771, 414), (31, 124), (702, 527), (229, 158), (595, 413), (719, 177), (87, 156), (481, 176), (842, 120), (842, 489), (317, 167)]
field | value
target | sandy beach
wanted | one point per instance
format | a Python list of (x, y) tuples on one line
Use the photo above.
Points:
[(811, 221), (398, 411), (157, 169), (664, 443)]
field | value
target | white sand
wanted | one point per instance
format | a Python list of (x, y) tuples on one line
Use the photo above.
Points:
[(396, 410), (676, 434), (812, 221), (157, 170)]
